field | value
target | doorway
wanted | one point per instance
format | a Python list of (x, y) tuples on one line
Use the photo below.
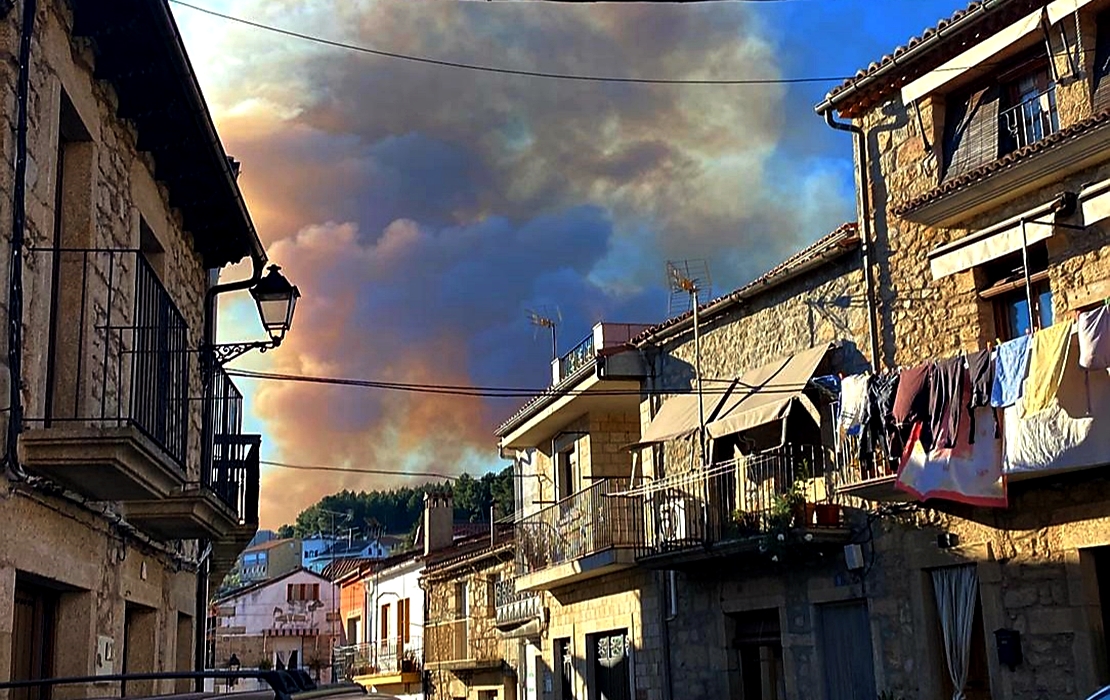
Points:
[(33, 637), (755, 669), (845, 644), (612, 675), (564, 668)]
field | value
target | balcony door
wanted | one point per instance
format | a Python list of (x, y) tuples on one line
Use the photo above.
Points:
[(612, 673)]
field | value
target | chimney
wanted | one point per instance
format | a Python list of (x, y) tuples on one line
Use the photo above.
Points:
[(439, 519)]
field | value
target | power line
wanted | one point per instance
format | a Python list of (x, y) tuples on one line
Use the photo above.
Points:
[(727, 386), (508, 71), (356, 470)]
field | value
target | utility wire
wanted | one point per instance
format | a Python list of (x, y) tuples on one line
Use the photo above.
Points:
[(356, 470), (503, 392), (508, 71)]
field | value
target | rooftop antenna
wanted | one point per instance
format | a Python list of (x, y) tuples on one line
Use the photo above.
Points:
[(544, 320), (685, 284), (695, 272)]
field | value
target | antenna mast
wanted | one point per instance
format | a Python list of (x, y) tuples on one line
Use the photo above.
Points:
[(544, 320), (682, 281)]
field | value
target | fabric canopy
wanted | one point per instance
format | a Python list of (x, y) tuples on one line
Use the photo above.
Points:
[(977, 248), (677, 417), (766, 393)]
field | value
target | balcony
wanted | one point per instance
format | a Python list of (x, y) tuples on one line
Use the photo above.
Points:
[(866, 474), (515, 611), (589, 534), (1029, 121), (379, 664), (112, 424), (458, 645), (742, 507), (603, 336)]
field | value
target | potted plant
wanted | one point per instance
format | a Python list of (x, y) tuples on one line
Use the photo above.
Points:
[(828, 514), (408, 663), (265, 664), (747, 522)]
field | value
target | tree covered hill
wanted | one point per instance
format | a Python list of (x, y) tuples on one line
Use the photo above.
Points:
[(398, 510)]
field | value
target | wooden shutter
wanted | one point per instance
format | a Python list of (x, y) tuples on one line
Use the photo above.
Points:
[(1101, 97), (971, 132)]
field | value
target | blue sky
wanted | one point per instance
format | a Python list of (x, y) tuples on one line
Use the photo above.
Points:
[(422, 210)]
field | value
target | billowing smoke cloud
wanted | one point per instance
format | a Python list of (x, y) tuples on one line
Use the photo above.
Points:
[(422, 209)]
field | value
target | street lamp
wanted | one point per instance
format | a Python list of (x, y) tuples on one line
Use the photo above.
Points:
[(276, 299)]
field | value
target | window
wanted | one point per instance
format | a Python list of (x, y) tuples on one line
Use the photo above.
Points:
[(461, 605), (1101, 97), (566, 477), (1007, 112), (1002, 284), (353, 625), (302, 591), (383, 637), (756, 666), (404, 619)]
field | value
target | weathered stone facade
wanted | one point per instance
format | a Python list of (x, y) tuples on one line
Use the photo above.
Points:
[(100, 579), (464, 653)]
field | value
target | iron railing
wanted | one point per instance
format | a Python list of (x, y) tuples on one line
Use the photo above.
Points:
[(857, 465), (117, 351), (737, 499), (513, 607), (230, 460), (379, 658), (1031, 120), (593, 520), (578, 357)]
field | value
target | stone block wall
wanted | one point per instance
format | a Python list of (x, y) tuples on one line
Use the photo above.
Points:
[(627, 600)]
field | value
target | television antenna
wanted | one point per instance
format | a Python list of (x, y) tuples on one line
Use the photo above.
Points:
[(543, 319), (689, 279)]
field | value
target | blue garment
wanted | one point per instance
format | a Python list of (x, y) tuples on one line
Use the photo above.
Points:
[(1011, 362)]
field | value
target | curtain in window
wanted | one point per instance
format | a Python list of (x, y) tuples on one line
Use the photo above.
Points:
[(956, 588)]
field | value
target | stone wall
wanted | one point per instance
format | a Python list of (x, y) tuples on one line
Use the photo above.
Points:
[(101, 567), (627, 600), (493, 657)]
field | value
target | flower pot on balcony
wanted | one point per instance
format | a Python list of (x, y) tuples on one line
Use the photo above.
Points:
[(828, 514), (804, 514)]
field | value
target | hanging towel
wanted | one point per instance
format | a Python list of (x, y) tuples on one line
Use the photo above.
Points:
[(1046, 366), (876, 435), (980, 371), (1011, 359), (853, 403), (946, 387), (1094, 338), (911, 404)]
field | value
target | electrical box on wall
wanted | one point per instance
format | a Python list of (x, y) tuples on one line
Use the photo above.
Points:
[(105, 655), (853, 557), (1008, 643)]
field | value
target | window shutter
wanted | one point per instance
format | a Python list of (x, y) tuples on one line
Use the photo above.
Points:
[(1101, 98), (289, 591), (971, 132)]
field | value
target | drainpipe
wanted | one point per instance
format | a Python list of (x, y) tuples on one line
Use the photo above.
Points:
[(864, 204), (207, 360), (15, 261)]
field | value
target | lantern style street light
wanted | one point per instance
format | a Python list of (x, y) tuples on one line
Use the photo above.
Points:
[(276, 299)]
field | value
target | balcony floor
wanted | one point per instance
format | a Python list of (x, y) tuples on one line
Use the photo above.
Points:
[(880, 489), (582, 569), (695, 556), (193, 514), (104, 464)]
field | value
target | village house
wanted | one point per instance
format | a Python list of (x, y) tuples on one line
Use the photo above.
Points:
[(576, 537), (129, 486), (465, 654), (283, 622), (982, 172)]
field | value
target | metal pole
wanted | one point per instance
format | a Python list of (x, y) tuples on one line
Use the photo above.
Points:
[(1025, 272), (697, 371)]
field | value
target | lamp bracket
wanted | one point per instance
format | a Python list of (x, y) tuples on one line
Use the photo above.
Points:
[(226, 352)]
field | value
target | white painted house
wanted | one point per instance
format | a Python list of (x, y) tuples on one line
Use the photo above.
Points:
[(287, 621)]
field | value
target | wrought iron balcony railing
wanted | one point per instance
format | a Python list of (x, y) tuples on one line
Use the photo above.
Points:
[(117, 351), (1031, 120), (230, 460), (511, 607), (738, 499), (379, 658), (593, 520)]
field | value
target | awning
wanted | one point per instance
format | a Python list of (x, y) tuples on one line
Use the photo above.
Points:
[(766, 393), (993, 242), (1095, 201), (678, 417)]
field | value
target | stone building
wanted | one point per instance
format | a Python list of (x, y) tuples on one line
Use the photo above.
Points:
[(598, 614), (464, 651), (982, 169), (120, 207)]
